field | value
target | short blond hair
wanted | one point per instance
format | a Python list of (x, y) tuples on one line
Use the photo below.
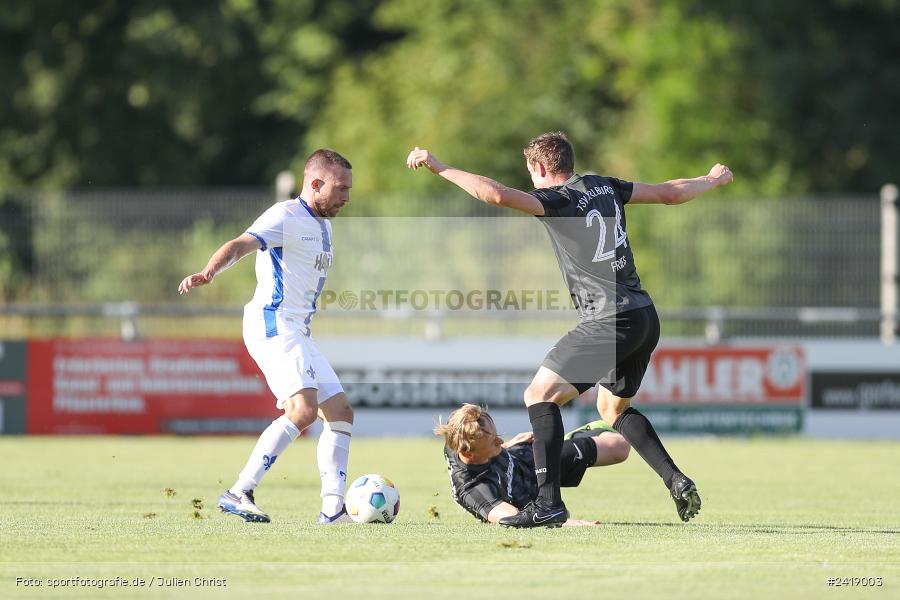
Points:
[(463, 427)]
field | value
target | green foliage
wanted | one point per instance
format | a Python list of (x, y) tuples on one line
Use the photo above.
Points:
[(474, 82), (797, 97), (85, 260), (442, 253), (165, 93), (821, 83), (712, 252), (16, 252), (235, 286)]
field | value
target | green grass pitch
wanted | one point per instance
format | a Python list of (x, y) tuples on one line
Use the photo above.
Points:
[(780, 517)]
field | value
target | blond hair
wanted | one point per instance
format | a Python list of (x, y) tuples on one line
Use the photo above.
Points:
[(463, 427)]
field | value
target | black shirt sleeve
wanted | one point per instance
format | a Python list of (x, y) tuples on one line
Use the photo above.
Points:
[(472, 489), (551, 200), (480, 499), (623, 188)]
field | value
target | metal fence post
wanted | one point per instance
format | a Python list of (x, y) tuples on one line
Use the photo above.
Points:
[(715, 325), (434, 330), (889, 260), (285, 184), (129, 312)]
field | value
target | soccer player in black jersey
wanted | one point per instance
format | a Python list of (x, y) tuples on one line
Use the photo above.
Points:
[(492, 479), (618, 328)]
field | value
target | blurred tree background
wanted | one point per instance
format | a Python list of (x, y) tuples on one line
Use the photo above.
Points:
[(797, 97)]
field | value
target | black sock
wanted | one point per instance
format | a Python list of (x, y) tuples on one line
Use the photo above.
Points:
[(638, 432), (548, 441)]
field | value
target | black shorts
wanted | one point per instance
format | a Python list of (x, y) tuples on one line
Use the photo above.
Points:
[(577, 456), (614, 351)]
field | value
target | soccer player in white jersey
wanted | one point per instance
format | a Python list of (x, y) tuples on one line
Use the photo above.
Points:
[(293, 246)]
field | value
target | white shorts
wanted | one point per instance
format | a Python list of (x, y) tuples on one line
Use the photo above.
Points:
[(291, 362)]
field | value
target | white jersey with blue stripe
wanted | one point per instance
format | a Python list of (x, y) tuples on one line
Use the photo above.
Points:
[(291, 267)]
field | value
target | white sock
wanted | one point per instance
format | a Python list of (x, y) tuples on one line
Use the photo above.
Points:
[(272, 442), (333, 452)]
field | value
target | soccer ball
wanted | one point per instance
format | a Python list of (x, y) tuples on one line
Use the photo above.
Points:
[(373, 499)]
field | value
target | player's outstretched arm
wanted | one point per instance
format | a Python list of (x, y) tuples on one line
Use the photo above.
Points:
[(504, 509), (224, 257), (526, 437), (679, 191), (579, 523), (483, 188)]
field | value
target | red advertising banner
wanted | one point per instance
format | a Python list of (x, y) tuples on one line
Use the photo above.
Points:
[(725, 375), (197, 387), (159, 386)]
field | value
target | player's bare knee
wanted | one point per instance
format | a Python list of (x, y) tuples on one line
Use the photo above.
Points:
[(611, 406), (299, 411), (336, 408), (554, 394), (547, 386), (301, 418), (534, 394), (343, 413), (619, 448), (611, 449)]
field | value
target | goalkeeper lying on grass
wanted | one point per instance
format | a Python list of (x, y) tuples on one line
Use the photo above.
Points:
[(493, 479)]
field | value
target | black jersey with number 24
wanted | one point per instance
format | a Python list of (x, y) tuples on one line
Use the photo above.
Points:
[(585, 218)]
